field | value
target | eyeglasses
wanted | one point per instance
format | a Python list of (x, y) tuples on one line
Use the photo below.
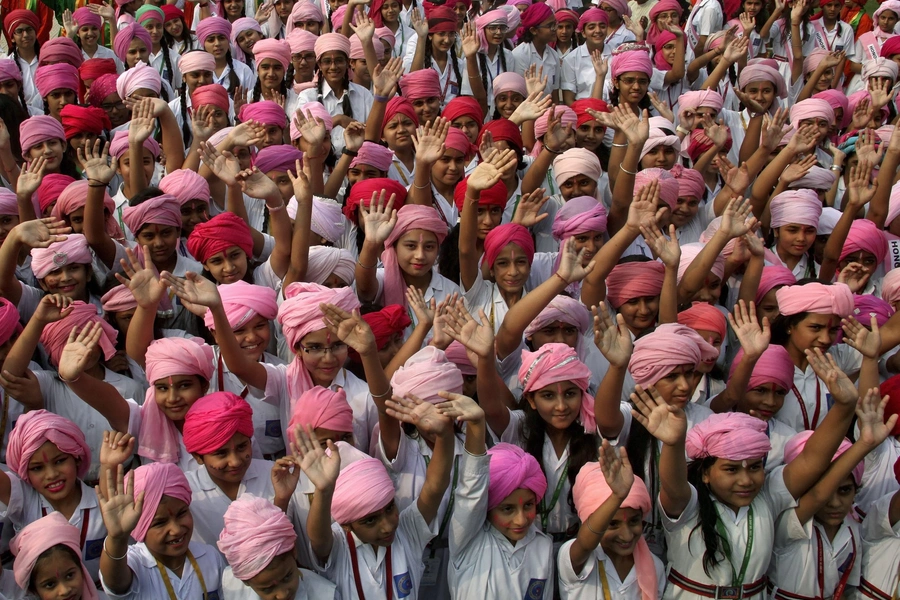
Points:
[(337, 62), (309, 57), (320, 351), (497, 28), (634, 80), (112, 106)]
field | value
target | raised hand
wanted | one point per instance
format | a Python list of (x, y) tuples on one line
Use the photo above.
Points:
[(365, 26), (666, 249), (528, 211), (379, 219), (418, 23), (439, 337), (866, 149), (142, 122), (797, 11), (736, 178), (40, 233), (141, 280), (616, 469), (263, 11), (774, 129), (636, 131), (612, 337), (117, 448), (882, 92), (535, 80), (717, 132), (861, 189), (105, 10), (491, 170), (312, 130), (634, 26), (285, 475), (384, 79), (839, 385), (748, 23), (736, 50), (194, 291), (866, 342), (470, 43), (224, 165), (570, 264), (870, 418), (533, 107), (748, 101), (95, 161), (25, 388), (30, 177), (300, 182), (121, 510), (203, 124), (737, 219), (644, 209), (487, 144), (476, 337), (754, 337), (349, 327), (687, 118), (423, 309), (460, 408), (52, 308), (78, 352), (354, 136), (557, 134), (257, 185), (661, 107), (429, 141), (248, 133), (321, 468), (855, 276), (663, 421), (415, 411)]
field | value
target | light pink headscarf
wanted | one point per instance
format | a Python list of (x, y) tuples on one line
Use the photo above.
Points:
[(237, 28), (38, 129), (580, 215), (774, 366), (879, 67), (658, 352), (426, 373), (800, 207), (690, 182), (38, 426), (56, 335), (38, 537), (817, 298), (576, 161), (796, 444), (243, 301), (9, 320), (890, 286), (256, 532), (561, 308), (185, 185), (198, 60), (816, 178), (732, 436), (689, 252), (668, 185), (459, 356), (140, 77), (75, 196), (74, 250), (119, 145), (701, 99), (811, 108), (555, 363), (332, 42), (512, 468), (118, 299), (567, 117), (157, 480), (163, 210), (409, 217), (322, 408), (509, 82), (361, 489), (773, 276), (590, 492)]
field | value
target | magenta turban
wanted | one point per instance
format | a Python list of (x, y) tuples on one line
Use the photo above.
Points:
[(264, 111), (592, 15), (426, 373), (213, 420), (321, 408), (9, 321), (774, 366), (163, 210), (690, 182), (56, 335), (9, 70), (38, 129), (281, 157), (579, 216), (185, 185), (220, 233), (501, 236), (732, 436), (73, 250), (83, 17), (127, 33), (424, 83), (555, 363), (668, 185), (255, 533), (867, 305), (631, 61), (796, 444), (155, 481), (36, 427), (866, 236), (409, 217), (811, 108), (772, 277), (658, 352), (512, 468), (61, 50), (60, 76), (634, 280), (817, 298), (212, 26), (801, 207), (103, 87), (837, 100), (242, 301), (362, 488)]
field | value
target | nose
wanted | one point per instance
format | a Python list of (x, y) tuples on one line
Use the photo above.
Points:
[(744, 479), (234, 461), (626, 535), (521, 519), (682, 382)]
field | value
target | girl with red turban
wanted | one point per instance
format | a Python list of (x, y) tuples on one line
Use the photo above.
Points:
[(177, 34), (400, 123), (441, 158), (20, 27)]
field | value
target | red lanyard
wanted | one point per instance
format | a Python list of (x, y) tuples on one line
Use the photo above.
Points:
[(815, 421), (354, 560), (85, 520), (220, 372), (821, 574)]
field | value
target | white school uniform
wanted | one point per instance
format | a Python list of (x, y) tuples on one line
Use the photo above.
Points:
[(11, 409), (494, 68), (361, 101), (878, 478), (527, 55), (794, 568), (587, 585), (705, 19), (578, 73), (686, 551), (438, 288), (148, 582), (616, 38), (483, 563), (779, 434), (158, 62), (312, 587), (28, 69), (880, 553), (210, 503), (246, 76), (410, 539)]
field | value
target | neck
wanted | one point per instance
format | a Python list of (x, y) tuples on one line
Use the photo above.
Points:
[(789, 260), (539, 46), (419, 281), (156, 48), (179, 425), (831, 530), (66, 507), (591, 47), (561, 47), (168, 265), (559, 438), (27, 54), (797, 356), (492, 51), (228, 488), (173, 563), (407, 157), (445, 190), (623, 564), (90, 48), (439, 56), (221, 63), (829, 23), (510, 297), (711, 179)]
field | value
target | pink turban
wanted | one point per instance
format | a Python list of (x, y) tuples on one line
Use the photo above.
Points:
[(812, 62), (213, 420), (893, 204), (761, 72), (576, 161), (662, 133), (374, 155), (659, 59), (890, 286), (300, 314), (38, 426), (592, 15), (426, 373), (103, 87), (332, 42), (772, 277), (60, 76), (567, 116), (73, 250), (361, 195), (501, 236), (327, 220), (579, 216), (890, 47), (281, 157), (702, 316), (801, 207), (555, 363), (163, 210), (118, 299), (185, 185), (796, 444), (83, 17), (817, 298), (634, 280), (891, 5), (155, 481), (9, 71), (212, 26), (811, 108), (689, 252), (61, 50), (127, 33), (637, 61), (361, 489), (255, 533), (668, 185), (620, 6), (264, 111), (701, 99), (509, 82), (878, 67), (457, 140), (867, 305), (732, 436), (424, 83), (511, 468), (242, 301), (321, 408), (774, 366), (590, 492), (690, 182), (119, 146), (56, 335), (837, 100), (9, 321), (408, 218), (38, 129), (659, 352), (327, 260), (237, 28), (458, 355), (277, 50), (220, 233), (866, 236), (301, 40), (75, 196), (561, 308), (305, 11), (358, 52), (9, 204), (816, 178), (140, 77), (312, 110), (197, 60), (212, 94), (385, 35)]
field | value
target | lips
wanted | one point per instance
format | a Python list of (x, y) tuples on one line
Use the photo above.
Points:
[(55, 487)]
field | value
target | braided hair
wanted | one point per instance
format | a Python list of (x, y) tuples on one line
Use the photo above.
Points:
[(346, 108), (188, 42), (454, 61), (168, 71), (282, 88), (186, 133), (483, 66), (717, 546), (233, 80)]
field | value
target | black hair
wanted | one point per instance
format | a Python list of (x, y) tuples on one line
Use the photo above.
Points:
[(346, 107), (189, 38), (282, 89), (448, 257), (771, 242), (13, 115), (68, 552), (233, 80), (717, 546), (148, 193), (186, 133), (453, 60), (786, 26), (483, 68), (167, 73)]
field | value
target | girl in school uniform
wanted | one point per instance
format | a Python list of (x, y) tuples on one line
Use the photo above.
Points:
[(633, 290), (709, 322), (441, 157), (213, 36), (269, 55), (794, 218), (610, 558), (21, 27), (161, 57), (155, 510), (48, 561), (58, 86), (481, 210), (177, 34), (258, 543), (493, 58), (880, 549)]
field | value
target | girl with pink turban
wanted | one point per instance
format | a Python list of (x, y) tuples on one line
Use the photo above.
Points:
[(161, 495), (578, 74), (493, 59), (214, 36), (43, 136), (794, 219), (272, 58)]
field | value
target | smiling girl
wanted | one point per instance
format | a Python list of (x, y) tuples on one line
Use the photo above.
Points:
[(272, 58), (794, 218), (492, 58), (161, 57), (176, 33), (87, 35), (21, 27), (213, 35), (442, 153)]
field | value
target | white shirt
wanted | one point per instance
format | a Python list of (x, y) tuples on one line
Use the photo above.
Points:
[(586, 585), (878, 478), (246, 77), (158, 62), (578, 73), (705, 19), (148, 582), (881, 548), (312, 587), (28, 70), (616, 38), (210, 502), (104, 52), (527, 55), (361, 101), (483, 563), (494, 68)]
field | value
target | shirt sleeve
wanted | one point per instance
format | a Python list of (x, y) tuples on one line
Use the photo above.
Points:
[(568, 578), (568, 72), (471, 501), (710, 20), (276, 384), (776, 493), (415, 530), (687, 518), (877, 524)]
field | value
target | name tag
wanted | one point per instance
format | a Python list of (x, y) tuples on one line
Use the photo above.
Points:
[(454, 89), (214, 595), (273, 428), (839, 48), (92, 549), (403, 583), (535, 589), (895, 254), (432, 571)]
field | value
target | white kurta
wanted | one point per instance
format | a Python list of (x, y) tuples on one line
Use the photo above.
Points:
[(881, 549), (148, 581)]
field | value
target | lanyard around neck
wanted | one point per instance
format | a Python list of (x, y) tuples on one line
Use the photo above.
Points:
[(168, 583), (604, 582), (839, 590), (545, 510), (388, 575), (737, 579), (806, 422)]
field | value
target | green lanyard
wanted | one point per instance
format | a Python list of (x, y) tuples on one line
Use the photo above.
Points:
[(737, 580), (546, 510)]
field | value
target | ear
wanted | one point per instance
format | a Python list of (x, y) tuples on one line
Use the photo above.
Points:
[(529, 397), (204, 385), (197, 457)]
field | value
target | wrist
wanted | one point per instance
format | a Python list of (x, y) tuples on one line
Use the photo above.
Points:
[(563, 279)]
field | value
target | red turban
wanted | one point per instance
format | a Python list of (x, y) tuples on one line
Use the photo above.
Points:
[(463, 106), (399, 106), (891, 387), (103, 86), (501, 130), (361, 193), (388, 321), (218, 234), (18, 17), (581, 109), (705, 316), (51, 187), (213, 94), (441, 18), (93, 68), (500, 237), (83, 119), (890, 47), (496, 195)]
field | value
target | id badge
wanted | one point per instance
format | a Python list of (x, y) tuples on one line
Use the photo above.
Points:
[(432, 571)]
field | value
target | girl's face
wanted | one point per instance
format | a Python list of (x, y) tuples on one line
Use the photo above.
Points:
[(866, 259), (234, 9), (387, 352), (685, 211), (640, 313), (814, 331), (711, 290), (461, 11), (58, 577), (52, 472), (623, 532), (768, 307), (427, 109), (390, 11), (155, 29), (284, 8), (333, 65), (614, 19), (450, 168), (116, 110), (362, 172), (839, 505), (753, 7), (632, 86), (442, 41), (196, 79), (662, 157), (564, 32), (10, 88), (193, 212), (227, 266), (176, 394), (304, 65), (274, 136), (175, 28), (831, 10), (217, 45), (280, 579), (149, 164), (557, 332), (171, 528), (495, 33), (313, 27), (122, 319), (398, 132), (886, 21), (489, 217), (762, 401), (253, 337), (378, 528), (821, 124), (69, 280), (247, 39), (242, 153), (666, 18), (271, 73), (52, 150), (24, 37), (219, 117), (7, 222), (677, 387), (361, 73), (229, 463), (545, 32), (762, 92), (558, 404), (578, 185), (137, 52), (668, 51), (323, 356), (417, 251), (89, 35), (78, 141), (590, 242), (713, 339), (468, 126), (511, 269), (59, 98), (794, 239), (75, 220), (283, 181), (589, 135), (508, 102), (735, 482), (514, 515)]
